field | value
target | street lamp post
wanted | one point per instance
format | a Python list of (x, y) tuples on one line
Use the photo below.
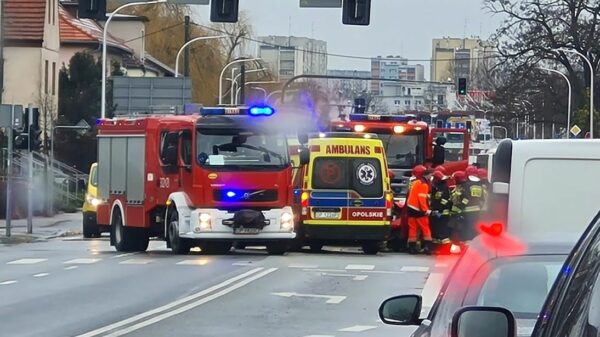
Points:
[(237, 93), (234, 83), (52, 131), (201, 38), (570, 94), (573, 51), (223, 72)]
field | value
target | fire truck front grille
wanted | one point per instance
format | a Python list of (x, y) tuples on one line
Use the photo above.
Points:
[(245, 195)]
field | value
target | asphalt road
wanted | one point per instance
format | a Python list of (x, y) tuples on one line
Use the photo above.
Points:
[(77, 287)]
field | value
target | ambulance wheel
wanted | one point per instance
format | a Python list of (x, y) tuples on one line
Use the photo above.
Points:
[(370, 247), (90, 228), (127, 239), (316, 247), (278, 248), (178, 245), (215, 248)]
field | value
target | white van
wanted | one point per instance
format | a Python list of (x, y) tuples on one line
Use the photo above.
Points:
[(541, 186)]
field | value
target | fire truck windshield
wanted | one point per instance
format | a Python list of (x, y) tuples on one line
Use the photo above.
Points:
[(241, 148), (403, 151)]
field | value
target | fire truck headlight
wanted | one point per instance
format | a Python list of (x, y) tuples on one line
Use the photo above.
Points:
[(359, 128), (287, 221), (204, 221), (398, 129)]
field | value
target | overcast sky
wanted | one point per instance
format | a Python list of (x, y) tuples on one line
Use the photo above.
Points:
[(398, 27)]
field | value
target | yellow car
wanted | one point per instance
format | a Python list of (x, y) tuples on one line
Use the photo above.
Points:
[(90, 227)]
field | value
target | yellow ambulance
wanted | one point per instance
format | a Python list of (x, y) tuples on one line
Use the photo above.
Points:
[(342, 191)]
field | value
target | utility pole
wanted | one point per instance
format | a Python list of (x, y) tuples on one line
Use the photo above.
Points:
[(30, 174), (186, 55), (242, 85), (9, 175), (1, 49)]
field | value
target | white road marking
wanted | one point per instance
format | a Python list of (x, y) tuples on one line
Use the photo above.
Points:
[(124, 255), (136, 261), (71, 267), (415, 269), (41, 275), (319, 336), (430, 290), (382, 272), (170, 305), (191, 305), (326, 270), (441, 265), (360, 267), (81, 261), (354, 277), (242, 263), (331, 299), (27, 261), (7, 282), (194, 262), (358, 328), (303, 266)]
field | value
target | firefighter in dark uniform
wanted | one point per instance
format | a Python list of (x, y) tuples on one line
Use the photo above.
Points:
[(467, 203), (441, 203)]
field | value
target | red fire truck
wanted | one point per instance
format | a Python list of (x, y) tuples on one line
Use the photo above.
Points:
[(210, 180), (408, 142)]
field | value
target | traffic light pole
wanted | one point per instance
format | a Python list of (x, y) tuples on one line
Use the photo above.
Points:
[(9, 177), (30, 176)]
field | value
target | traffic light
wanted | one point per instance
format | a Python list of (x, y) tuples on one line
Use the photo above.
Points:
[(224, 10), (360, 105), (462, 86), (92, 9), (356, 12), (469, 126)]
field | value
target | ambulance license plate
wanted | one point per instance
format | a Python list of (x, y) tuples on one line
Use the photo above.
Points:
[(326, 215), (243, 230)]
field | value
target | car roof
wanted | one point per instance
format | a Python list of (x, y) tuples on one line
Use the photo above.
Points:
[(546, 244)]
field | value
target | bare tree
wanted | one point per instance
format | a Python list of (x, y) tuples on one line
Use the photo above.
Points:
[(237, 44)]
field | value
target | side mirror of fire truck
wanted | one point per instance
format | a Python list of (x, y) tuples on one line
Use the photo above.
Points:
[(304, 156)]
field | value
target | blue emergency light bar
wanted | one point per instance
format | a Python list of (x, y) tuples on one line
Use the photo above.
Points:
[(381, 118), (252, 111)]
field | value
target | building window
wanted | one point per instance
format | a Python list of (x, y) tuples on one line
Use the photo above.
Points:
[(408, 91), (418, 103), (397, 102), (407, 102), (46, 78), (53, 78), (440, 99)]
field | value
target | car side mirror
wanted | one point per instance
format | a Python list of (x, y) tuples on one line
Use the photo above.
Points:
[(171, 156), (401, 310), (483, 321), (391, 174), (304, 156), (500, 188)]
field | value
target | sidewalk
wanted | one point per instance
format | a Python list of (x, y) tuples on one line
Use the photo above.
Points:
[(63, 224)]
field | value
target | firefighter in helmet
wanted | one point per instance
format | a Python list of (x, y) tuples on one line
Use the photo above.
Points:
[(467, 203), (418, 211), (441, 203)]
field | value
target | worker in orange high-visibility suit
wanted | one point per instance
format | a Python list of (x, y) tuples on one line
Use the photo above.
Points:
[(418, 213)]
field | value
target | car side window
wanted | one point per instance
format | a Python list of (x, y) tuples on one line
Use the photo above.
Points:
[(580, 307), (186, 147)]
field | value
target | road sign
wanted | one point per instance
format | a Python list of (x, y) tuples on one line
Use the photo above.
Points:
[(6, 115), (575, 130), (84, 127), (321, 3)]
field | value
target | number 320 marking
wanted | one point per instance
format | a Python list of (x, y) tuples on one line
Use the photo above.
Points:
[(164, 183)]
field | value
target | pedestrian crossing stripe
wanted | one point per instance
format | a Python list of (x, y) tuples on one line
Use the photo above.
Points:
[(81, 261), (414, 269), (195, 262), (136, 261), (27, 261)]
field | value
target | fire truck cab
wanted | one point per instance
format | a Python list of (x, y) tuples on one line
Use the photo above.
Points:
[(207, 180)]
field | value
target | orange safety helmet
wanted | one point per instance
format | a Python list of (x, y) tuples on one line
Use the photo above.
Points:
[(418, 171), (459, 177), (471, 171), (482, 174)]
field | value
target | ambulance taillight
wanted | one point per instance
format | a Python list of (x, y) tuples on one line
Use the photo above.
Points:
[(304, 203), (389, 202)]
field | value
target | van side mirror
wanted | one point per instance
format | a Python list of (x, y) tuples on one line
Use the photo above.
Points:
[(500, 188), (483, 321), (304, 156), (401, 310)]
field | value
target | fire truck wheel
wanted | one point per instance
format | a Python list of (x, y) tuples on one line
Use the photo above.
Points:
[(279, 248), (178, 245), (128, 239), (215, 248), (370, 247)]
